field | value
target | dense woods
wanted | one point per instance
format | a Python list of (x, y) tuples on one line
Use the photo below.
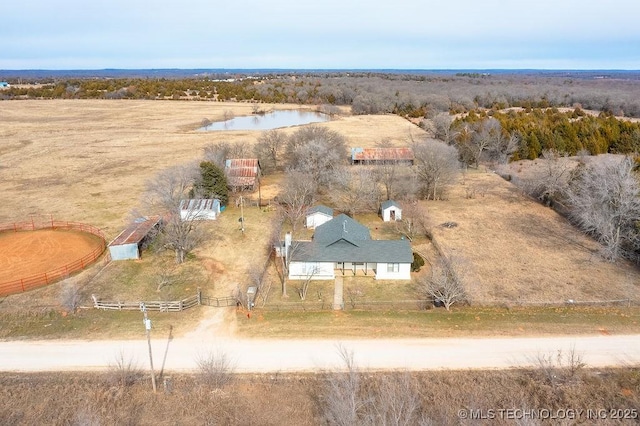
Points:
[(569, 132), (413, 95)]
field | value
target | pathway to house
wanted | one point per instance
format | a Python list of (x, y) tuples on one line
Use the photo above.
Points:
[(338, 301)]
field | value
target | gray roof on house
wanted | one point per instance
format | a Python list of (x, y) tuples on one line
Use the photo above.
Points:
[(320, 209), (373, 251), (390, 203), (342, 239), (341, 227)]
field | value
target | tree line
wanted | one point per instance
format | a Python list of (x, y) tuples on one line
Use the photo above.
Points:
[(366, 92), (537, 130)]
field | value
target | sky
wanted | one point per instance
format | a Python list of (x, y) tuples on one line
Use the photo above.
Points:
[(328, 34)]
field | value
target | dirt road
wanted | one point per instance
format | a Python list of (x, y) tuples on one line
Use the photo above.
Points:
[(262, 356)]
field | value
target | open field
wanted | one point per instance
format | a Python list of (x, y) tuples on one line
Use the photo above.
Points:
[(514, 250)]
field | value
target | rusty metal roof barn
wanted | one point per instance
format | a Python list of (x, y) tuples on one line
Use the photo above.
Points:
[(242, 172), (379, 155), (128, 243)]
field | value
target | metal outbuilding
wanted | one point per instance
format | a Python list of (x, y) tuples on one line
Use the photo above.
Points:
[(134, 238), (200, 209)]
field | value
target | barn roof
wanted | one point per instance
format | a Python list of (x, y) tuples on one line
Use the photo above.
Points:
[(242, 171), (233, 163), (200, 204), (136, 231), (382, 154)]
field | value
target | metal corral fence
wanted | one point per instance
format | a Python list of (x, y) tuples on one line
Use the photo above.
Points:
[(45, 278)]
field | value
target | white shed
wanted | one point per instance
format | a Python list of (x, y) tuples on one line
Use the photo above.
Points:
[(200, 209), (318, 215), (390, 211)]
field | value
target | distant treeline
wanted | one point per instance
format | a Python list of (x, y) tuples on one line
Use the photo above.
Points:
[(414, 95)]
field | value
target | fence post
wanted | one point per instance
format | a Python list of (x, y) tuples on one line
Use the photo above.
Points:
[(199, 293)]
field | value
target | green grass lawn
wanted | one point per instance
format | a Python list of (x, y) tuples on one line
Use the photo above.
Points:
[(440, 323), (95, 324)]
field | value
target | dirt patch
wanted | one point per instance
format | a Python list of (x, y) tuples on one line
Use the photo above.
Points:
[(29, 253)]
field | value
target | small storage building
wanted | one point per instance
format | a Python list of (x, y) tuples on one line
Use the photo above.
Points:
[(390, 211), (135, 238), (318, 215), (200, 209), (243, 174)]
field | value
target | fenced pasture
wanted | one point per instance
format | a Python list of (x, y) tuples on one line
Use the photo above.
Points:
[(41, 251)]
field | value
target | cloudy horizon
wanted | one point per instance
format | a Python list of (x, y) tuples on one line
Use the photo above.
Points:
[(409, 34)]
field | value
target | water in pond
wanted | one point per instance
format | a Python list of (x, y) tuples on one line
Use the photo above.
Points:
[(271, 120)]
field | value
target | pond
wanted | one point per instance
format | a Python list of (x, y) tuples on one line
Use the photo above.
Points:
[(268, 121)]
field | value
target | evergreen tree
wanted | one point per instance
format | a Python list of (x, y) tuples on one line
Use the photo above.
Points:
[(212, 183)]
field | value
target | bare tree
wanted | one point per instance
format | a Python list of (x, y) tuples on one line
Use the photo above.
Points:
[(342, 399), (355, 190), (414, 219), (445, 285), (70, 296), (124, 370), (551, 185), (389, 173), (501, 148), (219, 152), (604, 201), (215, 368), (316, 151), (443, 127), (436, 167), (269, 150), (304, 286), (297, 195), (396, 400), (165, 194)]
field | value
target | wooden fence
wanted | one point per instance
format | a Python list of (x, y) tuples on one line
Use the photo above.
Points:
[(164, 305), (38, 280)]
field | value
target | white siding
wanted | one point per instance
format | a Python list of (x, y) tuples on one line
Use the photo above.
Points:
[(386, 214), (386, 271), (317, 219), (319, 270)]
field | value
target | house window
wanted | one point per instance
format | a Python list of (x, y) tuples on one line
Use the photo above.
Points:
[(393, 267)]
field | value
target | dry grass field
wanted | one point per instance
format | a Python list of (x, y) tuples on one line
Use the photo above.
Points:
[(513, 249), (90, 161)]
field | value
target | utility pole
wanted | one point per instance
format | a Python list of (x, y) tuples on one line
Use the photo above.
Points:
[(242, 213), (147, 327)]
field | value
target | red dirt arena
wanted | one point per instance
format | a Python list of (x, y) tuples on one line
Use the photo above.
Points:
[(30, 259)]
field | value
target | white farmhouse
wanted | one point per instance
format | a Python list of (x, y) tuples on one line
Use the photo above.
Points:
[(344, 246)]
